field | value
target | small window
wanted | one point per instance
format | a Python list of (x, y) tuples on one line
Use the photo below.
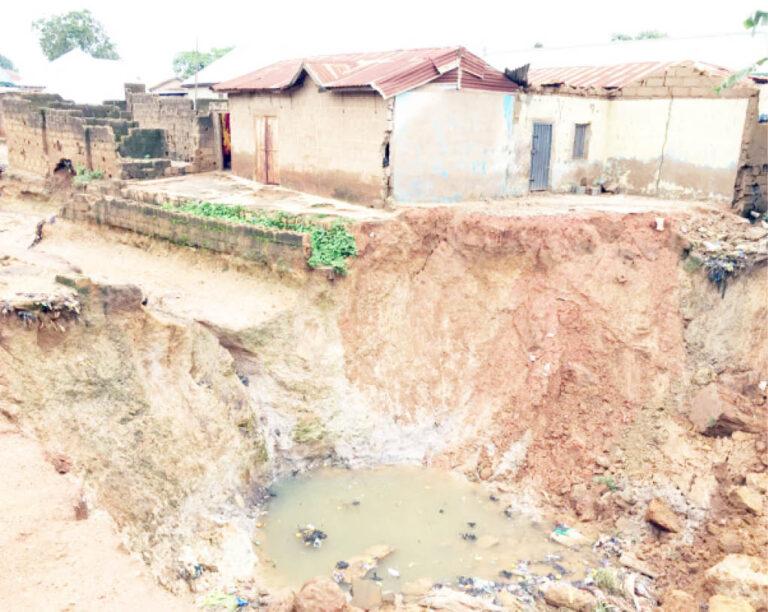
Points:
[(581, 141)]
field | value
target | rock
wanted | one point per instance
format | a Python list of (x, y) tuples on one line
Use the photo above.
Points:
[(360, 565), (509, 602), (758, 481), (679, 601), (722, 603), (366, 594), (740, 576), (379, 551), (747, 498), (662, 516), (487, 541), (562, 594), (281, 601), (320, 594), (454, 601), (632, 562), (418, 588), (730, 542), (714, 414)]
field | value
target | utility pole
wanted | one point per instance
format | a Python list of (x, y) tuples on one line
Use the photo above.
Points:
[(194, 100)]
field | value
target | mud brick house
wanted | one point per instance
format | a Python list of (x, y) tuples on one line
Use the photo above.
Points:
[(143, 136), (660, 129), (419, 124)]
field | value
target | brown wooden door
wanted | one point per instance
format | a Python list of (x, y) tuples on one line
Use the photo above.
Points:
[(272, 166)]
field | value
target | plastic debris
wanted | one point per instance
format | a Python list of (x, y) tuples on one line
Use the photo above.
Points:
[(311, 536), (567, 536), (469, 537), (393, 572), (342, 565)]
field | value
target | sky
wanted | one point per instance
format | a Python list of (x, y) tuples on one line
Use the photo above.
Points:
[(148, 33)]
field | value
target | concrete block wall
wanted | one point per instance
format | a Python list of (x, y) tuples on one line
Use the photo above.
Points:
[(283, 251)]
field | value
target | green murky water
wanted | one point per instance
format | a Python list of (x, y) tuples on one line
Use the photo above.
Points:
[(440, 525)]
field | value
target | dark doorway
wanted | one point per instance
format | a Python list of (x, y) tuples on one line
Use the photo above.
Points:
[(541, 150), (226, 141)]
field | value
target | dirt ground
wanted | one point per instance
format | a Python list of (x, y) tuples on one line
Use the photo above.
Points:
[(51, 560)]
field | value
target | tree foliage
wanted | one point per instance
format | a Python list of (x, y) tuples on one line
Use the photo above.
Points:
[(60, 34), (6, 63), (753, 22), (186, 63), (644, 35)]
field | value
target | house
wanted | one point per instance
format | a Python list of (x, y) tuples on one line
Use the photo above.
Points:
[(168, 87), (410, 125), (652, 128)]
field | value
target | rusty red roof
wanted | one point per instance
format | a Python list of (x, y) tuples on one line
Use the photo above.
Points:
[(389, 73), (610, 77)]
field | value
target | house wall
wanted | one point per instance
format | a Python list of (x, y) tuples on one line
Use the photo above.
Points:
[(189, 135), (686, 147), (563, 112), (327, 143), (38, 138), (449, 145)]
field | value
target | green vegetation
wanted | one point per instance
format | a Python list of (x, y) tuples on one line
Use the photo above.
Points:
[(753, 23), (85, 176), (77, 29), (607, 580), (608, 481), (186, 63), (308, 430), (332, 244)]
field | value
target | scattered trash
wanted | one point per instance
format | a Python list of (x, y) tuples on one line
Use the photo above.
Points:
[(342, 565), (471, 524), (566, 536), (506, 574), (393, 572), (470, 537), (311, 536), (659, 224), (227, 601), (493, 498)]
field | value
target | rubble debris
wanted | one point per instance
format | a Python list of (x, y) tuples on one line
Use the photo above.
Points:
[(564, 595), (320, 594), (740, 576), (662, 516), (366, 594), (567, 536)]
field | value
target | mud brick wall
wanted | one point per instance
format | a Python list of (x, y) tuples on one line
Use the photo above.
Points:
[(189, 137), (280, 250), (682, 81), (39, 137), (751, 192)]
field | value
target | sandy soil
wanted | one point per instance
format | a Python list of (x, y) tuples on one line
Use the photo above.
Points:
[(51, 560)]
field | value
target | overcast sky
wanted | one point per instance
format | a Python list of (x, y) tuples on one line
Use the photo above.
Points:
[(149, 32)]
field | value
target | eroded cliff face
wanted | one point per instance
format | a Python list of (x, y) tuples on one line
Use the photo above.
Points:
[(533, 351)]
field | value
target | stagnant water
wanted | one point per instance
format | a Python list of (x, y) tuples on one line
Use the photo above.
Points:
[(426, 515)]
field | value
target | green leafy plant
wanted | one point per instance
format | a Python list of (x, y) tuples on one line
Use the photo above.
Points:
[(84, 175), (608, 481), (332, 244), (186, 63)]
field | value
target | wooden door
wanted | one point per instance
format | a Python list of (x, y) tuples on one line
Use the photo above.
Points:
[(271, 163)]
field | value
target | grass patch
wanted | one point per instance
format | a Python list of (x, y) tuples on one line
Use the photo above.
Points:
[(609, 482), (607, 580), (332, 244), (85, 176)]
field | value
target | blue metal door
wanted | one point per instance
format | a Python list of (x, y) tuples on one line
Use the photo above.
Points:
[(541, 149)]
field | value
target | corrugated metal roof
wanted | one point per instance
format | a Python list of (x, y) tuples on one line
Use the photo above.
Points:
[(389, 73), (610, 77)]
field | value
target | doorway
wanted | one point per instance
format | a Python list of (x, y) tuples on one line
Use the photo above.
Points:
[(226, 141), (541, 151), (267, 163)]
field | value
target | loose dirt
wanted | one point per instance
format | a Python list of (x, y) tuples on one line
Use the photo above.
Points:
[(50, 559)]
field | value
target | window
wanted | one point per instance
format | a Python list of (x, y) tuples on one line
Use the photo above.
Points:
[(581, 141)]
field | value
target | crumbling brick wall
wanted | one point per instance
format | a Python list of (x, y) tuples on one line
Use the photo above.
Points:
[(750, 195), (189, 133)]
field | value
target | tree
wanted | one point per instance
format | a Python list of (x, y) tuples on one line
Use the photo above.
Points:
[(77, 29), (644, 35), (753, 22), (6, 63), (186, 63)]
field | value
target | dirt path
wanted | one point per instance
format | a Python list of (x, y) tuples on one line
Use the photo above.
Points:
[(52, 561)]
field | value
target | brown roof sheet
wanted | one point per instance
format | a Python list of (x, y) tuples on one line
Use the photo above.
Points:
[(609, 77), (389, 73)]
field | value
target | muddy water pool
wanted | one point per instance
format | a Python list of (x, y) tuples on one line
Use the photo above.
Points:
[(440, 525)]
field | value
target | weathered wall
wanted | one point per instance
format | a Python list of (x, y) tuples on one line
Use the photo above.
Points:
[(449, 145), (685, 147), (39, 137), (189, 136), (280, 250), (563, 112), (327, 143)]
